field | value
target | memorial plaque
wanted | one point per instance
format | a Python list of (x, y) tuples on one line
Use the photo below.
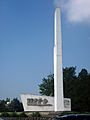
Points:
[(37, 103), (42, 103)]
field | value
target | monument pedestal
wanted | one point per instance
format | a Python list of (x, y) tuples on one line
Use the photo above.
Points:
[(42, 103)]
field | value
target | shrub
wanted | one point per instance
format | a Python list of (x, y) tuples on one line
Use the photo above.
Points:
[(36, 114), (23, 115), (4, 114), (14, 114)]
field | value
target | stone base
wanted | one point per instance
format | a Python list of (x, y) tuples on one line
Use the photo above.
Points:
[(42, 103)]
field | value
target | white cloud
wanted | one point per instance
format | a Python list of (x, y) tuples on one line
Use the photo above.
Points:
[(76, 10)]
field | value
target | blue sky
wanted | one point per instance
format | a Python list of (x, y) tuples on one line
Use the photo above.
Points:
[(27, 40)]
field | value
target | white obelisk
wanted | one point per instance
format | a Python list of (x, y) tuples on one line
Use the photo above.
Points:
[(58, 72)]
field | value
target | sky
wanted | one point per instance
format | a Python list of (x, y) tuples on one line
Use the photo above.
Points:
[(27, 41)]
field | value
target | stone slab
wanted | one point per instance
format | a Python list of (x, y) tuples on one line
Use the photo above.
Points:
[(42, 103)]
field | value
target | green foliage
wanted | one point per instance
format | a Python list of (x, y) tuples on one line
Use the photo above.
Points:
[(83, 74), (76, 87), (69, 73), (11, 106), (14, 114), (4, 114), (2, 105), (23, 115), (36, 114), (46, 88), (15, 105)]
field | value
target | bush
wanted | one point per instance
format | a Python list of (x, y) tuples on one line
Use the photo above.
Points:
[(23, 115), (4, 114), (14, 114), (36, 114)]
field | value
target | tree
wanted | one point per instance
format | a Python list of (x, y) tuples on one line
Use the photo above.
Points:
[(83, 91), (69, 73), (69, 79), (2, 105), (83, 74), (75, 87), (11, 105), (15, 106), (47, 86)]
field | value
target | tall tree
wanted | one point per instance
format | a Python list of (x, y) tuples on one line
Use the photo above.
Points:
[(69, 78), (75, 87), (47, 86)]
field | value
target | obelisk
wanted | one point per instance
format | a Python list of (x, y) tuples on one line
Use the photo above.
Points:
[(58, 72)]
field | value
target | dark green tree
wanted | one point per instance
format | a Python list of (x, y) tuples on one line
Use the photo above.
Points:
[(69, 78), (76, 87), (83, 91), (15, 105), (11, 105), (47, 86), (83, 74), (2, 105), (69, 73)]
